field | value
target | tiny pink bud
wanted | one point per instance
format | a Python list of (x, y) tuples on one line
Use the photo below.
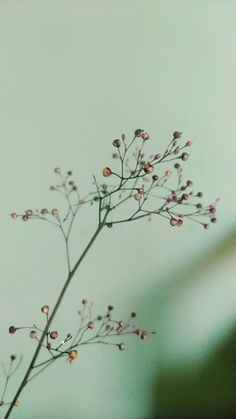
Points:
[(138, 196), (188, 143), (173, 222), (157, 156), (14, 215)]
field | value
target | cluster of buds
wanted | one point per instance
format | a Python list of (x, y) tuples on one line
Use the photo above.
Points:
[(102, 328), (177, 203)]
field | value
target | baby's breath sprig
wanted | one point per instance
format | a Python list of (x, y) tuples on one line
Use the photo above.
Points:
[(139, 186)]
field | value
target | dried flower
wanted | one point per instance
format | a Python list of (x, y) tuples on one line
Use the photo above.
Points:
[(72, 355), (13, 329), (91, 325), (138, 196), (184, 156), (121, 347), (145, 136), (55, 212), (148, 168), (138, 132), (117, 143), (107, 172), (54, 334), (45, 309), (177, 134), (14, 215)]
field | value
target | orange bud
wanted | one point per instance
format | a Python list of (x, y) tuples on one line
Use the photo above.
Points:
[(107, 172), (45, 309)]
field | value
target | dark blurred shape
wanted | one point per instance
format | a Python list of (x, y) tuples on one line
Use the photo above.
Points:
[(207, 393)]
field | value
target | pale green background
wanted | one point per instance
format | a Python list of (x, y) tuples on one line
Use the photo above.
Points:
[(74, 76)]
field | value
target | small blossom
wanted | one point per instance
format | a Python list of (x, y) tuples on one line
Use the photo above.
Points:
[(121, 347), (188, 143), (138, 196), (145, 136), (157, 156), (168, 173), (148, 168), (25, 217), (107, 172), (206, 226), (29, 212), (177, 134), (143, 335), (138, 132), (14, 215), (173, 222), (13, 329), (45, 309), (33, 334), (54, 334), (55, 212), (91, 325), (72, 355), (117, 143), (184, 156), (189, 183), (179, 223)]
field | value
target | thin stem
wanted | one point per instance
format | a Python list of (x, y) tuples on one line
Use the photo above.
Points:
[(55, 309)]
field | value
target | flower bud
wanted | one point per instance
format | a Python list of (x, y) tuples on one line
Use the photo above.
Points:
[(173, 222), (45, 309), (33, 334), (55, 212), (148, 168), (57, 170), (72, 355), (168, 173), (117, 143), (179, 223), (14, 215), (54, 335), (184, 156), (155, 178), (107, 172), (13, 357), (91, 325), (138, 132), (13, 329), (189, 183), (177, 134), (144, 335), (145, 136), (177, 165), (157, 156), (138, 196), (188, 143), (121, 347)]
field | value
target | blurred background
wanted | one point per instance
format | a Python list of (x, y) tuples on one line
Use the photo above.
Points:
[(75, 75)]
